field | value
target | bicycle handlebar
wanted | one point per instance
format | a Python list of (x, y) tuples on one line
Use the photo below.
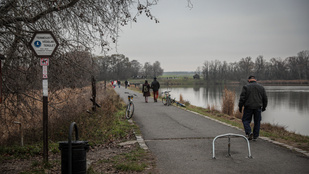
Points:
[(166, 92), (130, 93)]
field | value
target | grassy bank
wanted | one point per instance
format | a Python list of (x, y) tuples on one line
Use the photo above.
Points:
[(274, 132), (104, 130)]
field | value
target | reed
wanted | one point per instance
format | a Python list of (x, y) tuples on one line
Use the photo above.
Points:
[(228, 102), (237, 114), (181, 99)]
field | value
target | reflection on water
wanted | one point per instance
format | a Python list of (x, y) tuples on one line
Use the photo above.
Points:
[(287, 105)]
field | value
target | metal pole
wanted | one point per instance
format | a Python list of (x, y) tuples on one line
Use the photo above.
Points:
[(45, 128), (229, 146), (229, 135), (70, 144)]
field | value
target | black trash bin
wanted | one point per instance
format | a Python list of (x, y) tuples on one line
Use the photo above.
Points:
[(73, 154)]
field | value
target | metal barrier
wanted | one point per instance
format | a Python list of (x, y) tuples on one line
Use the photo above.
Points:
[(229, 143)]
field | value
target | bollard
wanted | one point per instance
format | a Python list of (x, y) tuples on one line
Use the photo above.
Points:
[(73, 154), (229, 143)]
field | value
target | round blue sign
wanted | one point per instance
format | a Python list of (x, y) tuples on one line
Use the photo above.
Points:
[(37, 44)]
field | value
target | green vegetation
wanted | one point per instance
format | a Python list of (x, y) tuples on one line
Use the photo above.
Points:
[(134, 161), (10, 152)]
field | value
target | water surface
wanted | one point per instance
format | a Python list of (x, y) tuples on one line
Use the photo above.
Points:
[(288, 106)]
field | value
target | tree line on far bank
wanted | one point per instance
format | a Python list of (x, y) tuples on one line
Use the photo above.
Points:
[(290, 68), (119, 67)]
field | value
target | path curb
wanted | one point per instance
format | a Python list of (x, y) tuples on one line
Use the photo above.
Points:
[(263, 138)]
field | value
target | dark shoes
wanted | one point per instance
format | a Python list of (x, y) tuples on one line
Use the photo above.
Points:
[(250, 136)]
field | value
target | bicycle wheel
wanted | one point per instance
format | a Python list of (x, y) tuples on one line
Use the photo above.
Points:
[(130, 110), (164, 100), (168, 101)]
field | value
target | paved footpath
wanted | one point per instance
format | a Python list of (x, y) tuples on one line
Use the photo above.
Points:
[(182, 143)]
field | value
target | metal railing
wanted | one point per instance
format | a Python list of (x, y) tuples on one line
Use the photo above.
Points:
[(229, 135)]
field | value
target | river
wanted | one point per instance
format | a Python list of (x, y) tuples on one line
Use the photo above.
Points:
[(288, 106)]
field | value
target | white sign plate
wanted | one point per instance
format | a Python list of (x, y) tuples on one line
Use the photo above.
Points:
[(45, 88), (43, 44), (44, 72)]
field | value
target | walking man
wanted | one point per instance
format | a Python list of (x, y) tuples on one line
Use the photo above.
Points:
[(253, 98), (155, 85), (126, 84)]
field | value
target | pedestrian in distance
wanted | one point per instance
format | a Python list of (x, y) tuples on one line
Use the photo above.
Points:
[(155, 86), (146, 90), (126, 84), (254, 99), (118, 82), (115, 83)]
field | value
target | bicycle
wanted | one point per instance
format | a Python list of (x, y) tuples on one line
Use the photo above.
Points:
[(130, 106), (167, 100)]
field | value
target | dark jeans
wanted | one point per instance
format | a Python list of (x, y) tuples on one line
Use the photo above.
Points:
[(246, 120)]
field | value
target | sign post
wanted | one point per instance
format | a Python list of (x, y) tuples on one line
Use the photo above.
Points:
[(44, 44), (1, 57)]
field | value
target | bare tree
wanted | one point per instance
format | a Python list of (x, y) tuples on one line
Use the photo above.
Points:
[(206, 70), (147, 69), (246, 66), (259, 67), (279, 68), (78, 25), (303, 59), (296, 67), (157, 70)]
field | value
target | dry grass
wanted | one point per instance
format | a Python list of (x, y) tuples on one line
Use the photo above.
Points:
[(211, 108), (181, 99), (228, 102), (64, 107), (237, 114)]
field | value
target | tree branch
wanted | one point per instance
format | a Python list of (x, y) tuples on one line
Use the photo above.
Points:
[(38, 16)]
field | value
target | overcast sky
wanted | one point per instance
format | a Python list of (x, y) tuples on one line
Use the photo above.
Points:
[(225, 30)]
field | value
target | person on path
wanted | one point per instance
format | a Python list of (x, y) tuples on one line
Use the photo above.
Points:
[(118, 82), (155, 85), (146, 90), (254, 99), (126, 84)]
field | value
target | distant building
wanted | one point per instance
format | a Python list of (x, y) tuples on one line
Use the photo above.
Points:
[(196, 76)]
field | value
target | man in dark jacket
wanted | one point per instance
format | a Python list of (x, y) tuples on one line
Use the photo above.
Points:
[(253, 98), (155, 85)]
